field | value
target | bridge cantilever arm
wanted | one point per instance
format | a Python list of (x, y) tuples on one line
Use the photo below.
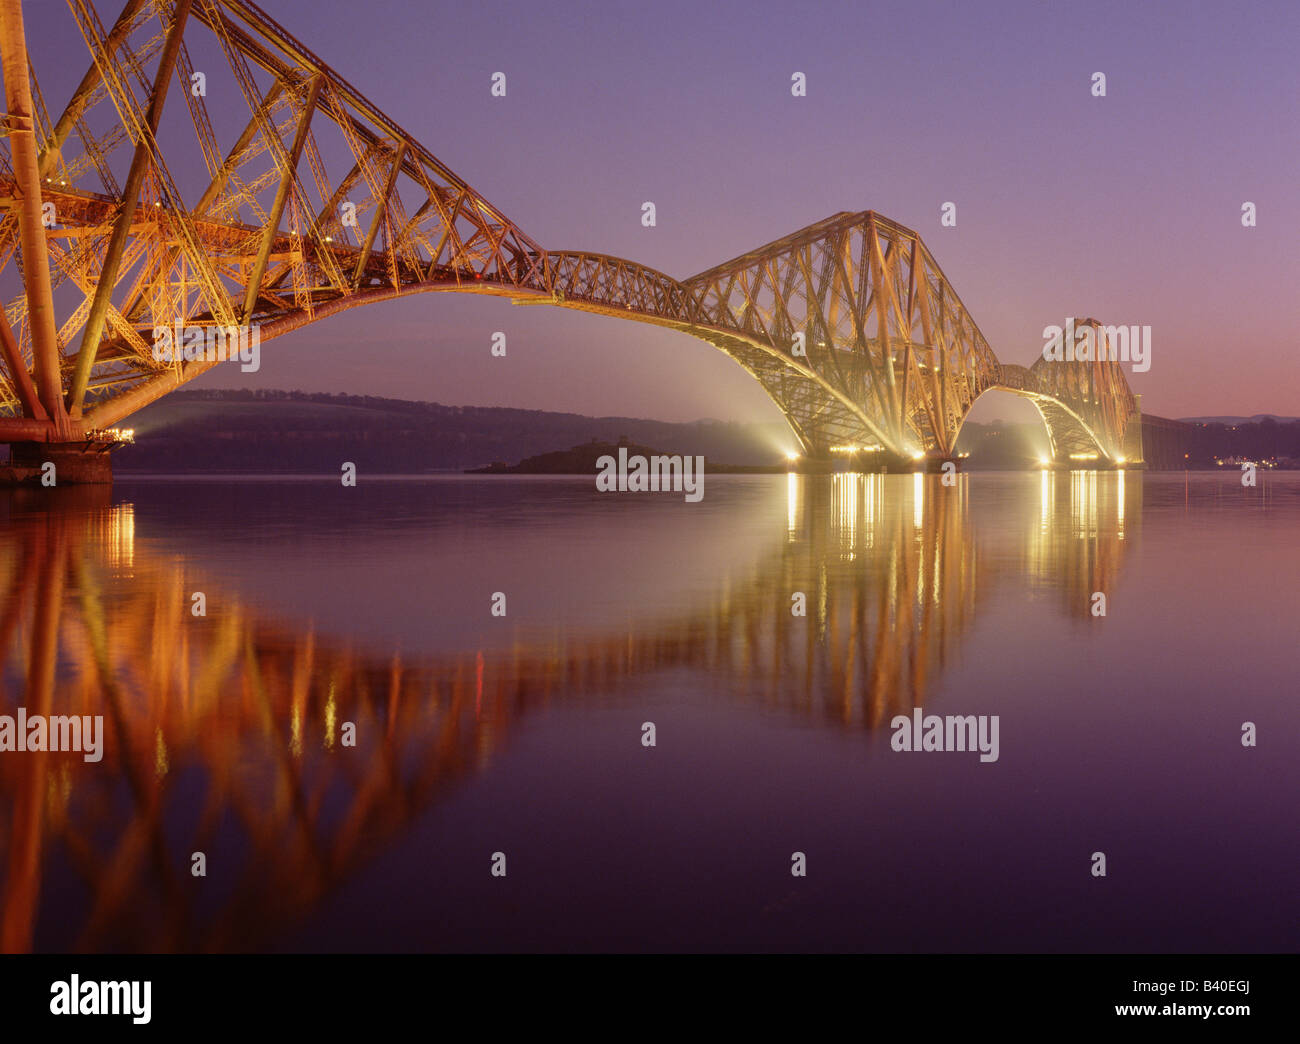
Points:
[(130, 198), (381, 208), (81, 96), (281, 196)]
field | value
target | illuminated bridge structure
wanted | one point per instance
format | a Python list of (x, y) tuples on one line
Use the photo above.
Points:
[(122, 219)]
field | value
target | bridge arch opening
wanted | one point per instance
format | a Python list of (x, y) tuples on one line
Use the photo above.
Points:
[(1005, 428)]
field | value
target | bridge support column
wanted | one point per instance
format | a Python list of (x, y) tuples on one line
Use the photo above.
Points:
[(35, 255), (75, 463)]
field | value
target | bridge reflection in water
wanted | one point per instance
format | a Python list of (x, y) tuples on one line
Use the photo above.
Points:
[(222, 733)]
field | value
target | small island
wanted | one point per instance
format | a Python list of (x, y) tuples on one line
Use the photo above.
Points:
[(583, 460)]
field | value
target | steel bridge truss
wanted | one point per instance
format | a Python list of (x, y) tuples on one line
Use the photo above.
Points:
[(321, 203)]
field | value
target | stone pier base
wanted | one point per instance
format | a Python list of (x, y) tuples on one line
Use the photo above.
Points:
[(75, 463)]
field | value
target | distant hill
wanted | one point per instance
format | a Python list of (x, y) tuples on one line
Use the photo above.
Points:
[(1258, 418), (276, 431)]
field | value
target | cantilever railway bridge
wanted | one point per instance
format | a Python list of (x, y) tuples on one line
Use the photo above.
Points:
[(849, 324)]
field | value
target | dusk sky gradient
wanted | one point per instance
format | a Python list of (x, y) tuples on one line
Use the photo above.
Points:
[(1125, 208)]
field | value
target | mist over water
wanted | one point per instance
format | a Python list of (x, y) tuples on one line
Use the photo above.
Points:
[(522, 734)]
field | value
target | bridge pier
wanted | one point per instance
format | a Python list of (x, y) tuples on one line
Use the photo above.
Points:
[(1091, 463), (929, 463), (936, 464), (75, 463)]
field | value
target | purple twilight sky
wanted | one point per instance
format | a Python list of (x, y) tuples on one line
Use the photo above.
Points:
[(1126, 208)]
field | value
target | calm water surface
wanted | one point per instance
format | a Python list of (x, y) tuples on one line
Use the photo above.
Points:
[(370, 606)]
